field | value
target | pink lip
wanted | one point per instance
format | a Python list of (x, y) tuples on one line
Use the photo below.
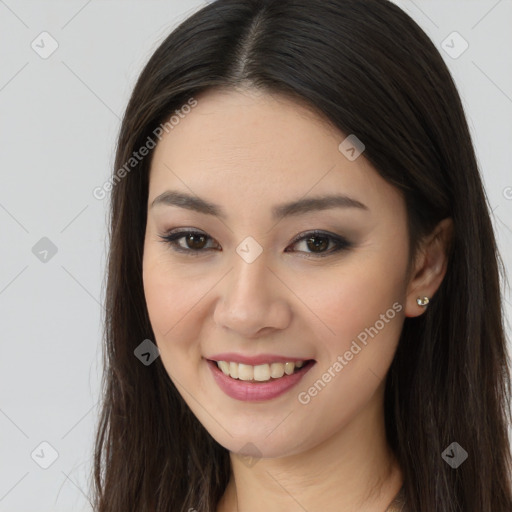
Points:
[(256, 391), (255, 360)]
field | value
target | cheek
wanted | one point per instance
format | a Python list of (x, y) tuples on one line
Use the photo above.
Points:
[(161, 296), (361, 314), (358, 308), (168, 304), (169, 299), (346, 302)]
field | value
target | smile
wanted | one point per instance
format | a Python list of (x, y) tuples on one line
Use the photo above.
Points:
[(260, 372), (257, 383)]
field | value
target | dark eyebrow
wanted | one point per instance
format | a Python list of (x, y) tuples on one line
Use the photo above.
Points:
[(301, 206)]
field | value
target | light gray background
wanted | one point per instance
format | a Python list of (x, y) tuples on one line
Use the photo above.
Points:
[(59, 118)]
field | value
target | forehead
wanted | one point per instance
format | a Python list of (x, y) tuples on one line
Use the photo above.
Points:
[(253, 145)]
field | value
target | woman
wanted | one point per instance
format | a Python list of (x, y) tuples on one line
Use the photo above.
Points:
[(299, 225)]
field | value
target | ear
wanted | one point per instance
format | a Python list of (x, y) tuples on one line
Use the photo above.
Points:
[(429, 267)]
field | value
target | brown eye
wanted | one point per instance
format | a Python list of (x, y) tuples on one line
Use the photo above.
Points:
[(195, 241), (317, 243)]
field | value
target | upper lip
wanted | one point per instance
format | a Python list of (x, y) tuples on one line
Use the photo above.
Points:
[(255, 360)]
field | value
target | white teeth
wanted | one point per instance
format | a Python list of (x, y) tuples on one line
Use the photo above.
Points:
[(288, 368), (276, 370), (233, 370), (223, 366), (245, 372), (261, 372)]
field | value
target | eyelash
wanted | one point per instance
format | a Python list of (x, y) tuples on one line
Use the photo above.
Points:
[(172, 238)]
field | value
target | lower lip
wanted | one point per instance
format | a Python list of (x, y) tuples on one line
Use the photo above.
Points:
[(257, 391)]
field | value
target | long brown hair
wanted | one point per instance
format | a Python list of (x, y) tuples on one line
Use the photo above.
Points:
[(371, 71)]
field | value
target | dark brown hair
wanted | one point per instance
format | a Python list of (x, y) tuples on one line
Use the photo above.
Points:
[(369, 69)]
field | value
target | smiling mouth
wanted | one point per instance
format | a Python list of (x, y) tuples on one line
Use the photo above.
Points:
[(262, 372)]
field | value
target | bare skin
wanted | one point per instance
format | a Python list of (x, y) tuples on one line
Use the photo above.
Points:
[(247, 152)]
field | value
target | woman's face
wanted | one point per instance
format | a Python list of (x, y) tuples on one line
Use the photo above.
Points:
[(244, 286)]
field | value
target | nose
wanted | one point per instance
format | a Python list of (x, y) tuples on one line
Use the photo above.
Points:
[(253, 301)]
